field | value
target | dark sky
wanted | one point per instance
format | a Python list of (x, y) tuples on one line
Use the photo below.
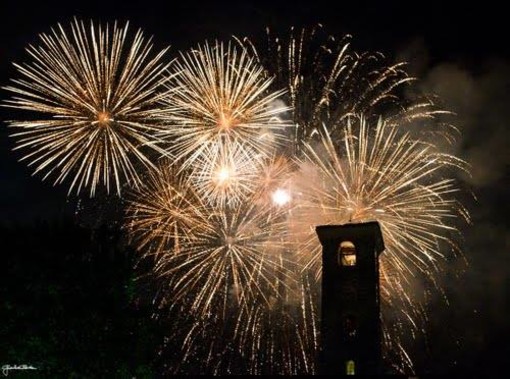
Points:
[(459, 52)]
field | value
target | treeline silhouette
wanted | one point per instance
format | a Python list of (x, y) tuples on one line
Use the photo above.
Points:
[(71, 306)]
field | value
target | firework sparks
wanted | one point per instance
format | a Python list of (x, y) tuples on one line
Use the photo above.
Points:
[(226, 172), (387, 176), (219, 253), (222, 93), (94, 94), (327, 81), (380, 174)]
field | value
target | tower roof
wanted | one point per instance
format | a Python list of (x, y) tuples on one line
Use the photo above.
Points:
[(352, 231)]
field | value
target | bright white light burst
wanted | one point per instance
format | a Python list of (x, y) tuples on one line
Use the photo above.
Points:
[(281, 197)]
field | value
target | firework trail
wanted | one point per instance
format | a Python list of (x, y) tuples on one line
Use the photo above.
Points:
[(326, 81), (93, 94), (259, 339)]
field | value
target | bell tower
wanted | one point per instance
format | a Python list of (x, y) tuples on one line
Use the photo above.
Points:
[(350, 312)]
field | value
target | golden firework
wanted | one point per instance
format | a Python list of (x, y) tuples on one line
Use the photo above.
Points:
[(93, 94), (221, 254), (162, 212), (220, 92), (379, 174), (327, 81), (226, 172), (382, 174)]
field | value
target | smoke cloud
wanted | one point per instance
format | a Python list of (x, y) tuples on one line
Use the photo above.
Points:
[(462, 334), (481, 103)]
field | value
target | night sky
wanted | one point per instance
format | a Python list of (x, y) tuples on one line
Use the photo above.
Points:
[(459, 53)]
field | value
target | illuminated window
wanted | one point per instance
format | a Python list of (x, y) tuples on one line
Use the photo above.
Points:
[(350, 367), (346, 254)]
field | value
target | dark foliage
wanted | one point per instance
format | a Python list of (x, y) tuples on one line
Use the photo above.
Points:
[(69, 304)]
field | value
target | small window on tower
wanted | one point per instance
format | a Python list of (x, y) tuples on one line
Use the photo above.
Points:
[(350, 368), (346, 254)]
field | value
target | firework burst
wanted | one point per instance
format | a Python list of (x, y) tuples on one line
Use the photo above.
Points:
[(216, 253), (327, 81), (381, 174), (226, 172), (162, 213), (221, 93), (385, 175), (93, 94)]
